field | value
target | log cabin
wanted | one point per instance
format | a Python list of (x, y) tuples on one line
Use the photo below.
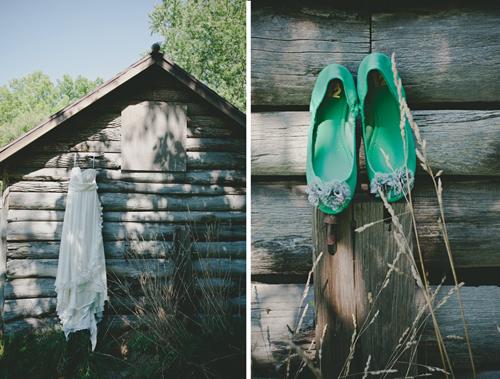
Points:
[(168, 152)]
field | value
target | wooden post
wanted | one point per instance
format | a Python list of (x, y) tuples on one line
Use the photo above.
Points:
[(375, 250), (183, 272), (346, 286), (333, 291)]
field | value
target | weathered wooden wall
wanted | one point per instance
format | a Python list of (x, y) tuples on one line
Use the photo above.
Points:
[(140, 209), (447, 59)]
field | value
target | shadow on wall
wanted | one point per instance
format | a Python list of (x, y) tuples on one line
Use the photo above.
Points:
[(154, 137)]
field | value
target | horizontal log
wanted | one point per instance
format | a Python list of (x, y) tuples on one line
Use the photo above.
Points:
[(68, 160), (119, 186), (440, 71), (26, 325), (195, 160), (129, 248), (22, 308), (471, 211), (43, 309), (146, 216), (113, 145), (191, 177), (459, 142), (102, 133), (281, 230), (275, 310), (215, 160), (215, 144), (210, 126), (101, 128), (45, 287), (291, 45), (132, 268), (163, 91), (26, 268), (133, 202), (114, 231), (30, 288), (156, 87), (16, 309), (482, 313), (107, 127), (94, 125), (75, 144)]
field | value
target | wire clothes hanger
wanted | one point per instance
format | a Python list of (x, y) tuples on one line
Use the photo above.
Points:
[(93, 160)]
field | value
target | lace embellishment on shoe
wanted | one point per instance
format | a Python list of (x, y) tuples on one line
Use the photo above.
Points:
[(333, 194), (393, 184)]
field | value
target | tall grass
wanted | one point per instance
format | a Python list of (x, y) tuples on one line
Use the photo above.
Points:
[(187, 324), (409, 341)]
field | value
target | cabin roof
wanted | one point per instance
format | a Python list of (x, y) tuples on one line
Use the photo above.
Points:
[(141, 65)]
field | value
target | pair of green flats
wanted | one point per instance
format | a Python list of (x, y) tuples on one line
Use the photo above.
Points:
[(331, 149)]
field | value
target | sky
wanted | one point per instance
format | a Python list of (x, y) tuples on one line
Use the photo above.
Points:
[(92, 38)]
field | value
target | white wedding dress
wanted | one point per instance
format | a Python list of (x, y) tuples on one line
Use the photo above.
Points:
[(81, 272)]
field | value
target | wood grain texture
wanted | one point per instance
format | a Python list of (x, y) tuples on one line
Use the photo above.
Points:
[(28, 288), (482, 313), (481, 308), (195, 160), (334, 292), (148, 216), (291, 45), (276, 309), (115, 231), (472, 247), (119, 186), (202, 177), (30, 268), (437, 52), (41, 307), (281, 231), (132, 202), (458, 142), (107, 140), (102, 132), (375, 249), (106, 143), (129, 249), (22, 308)]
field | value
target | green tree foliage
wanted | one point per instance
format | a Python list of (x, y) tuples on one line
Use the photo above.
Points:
[(26, 102), (207, 38)]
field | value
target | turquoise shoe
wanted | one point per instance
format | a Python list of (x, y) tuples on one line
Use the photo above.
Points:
[(390, 157), (331, 169)]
